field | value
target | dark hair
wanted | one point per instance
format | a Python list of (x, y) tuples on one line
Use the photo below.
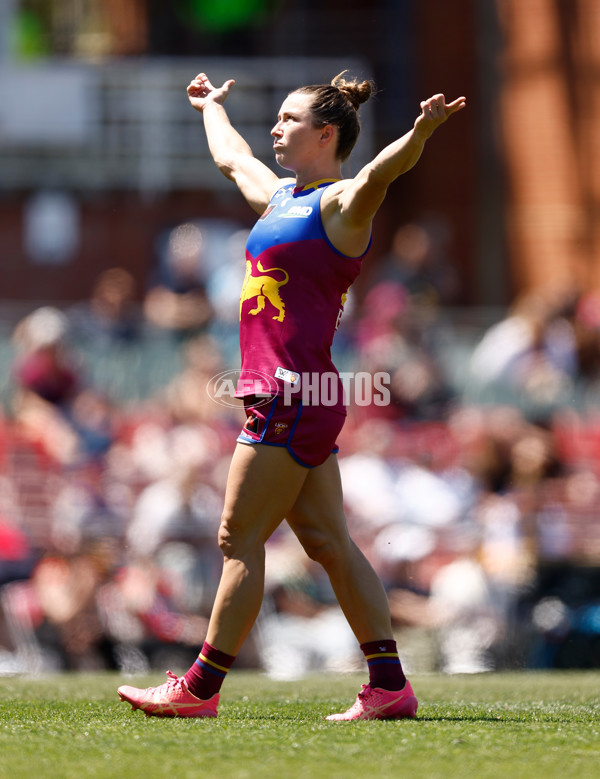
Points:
[(337, 104)]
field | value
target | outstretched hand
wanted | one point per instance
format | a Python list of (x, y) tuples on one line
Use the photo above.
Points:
[(435, 111), (201, 92)]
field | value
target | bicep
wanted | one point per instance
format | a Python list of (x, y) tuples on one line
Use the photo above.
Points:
[(361, 198), (365, 193)]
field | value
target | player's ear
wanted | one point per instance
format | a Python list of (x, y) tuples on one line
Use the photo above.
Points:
[(327, 134)]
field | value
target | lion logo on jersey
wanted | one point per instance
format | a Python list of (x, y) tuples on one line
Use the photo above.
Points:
[(263, 288)]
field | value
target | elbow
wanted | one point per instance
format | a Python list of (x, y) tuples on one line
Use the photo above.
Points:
[(225, 166), (376, 181)]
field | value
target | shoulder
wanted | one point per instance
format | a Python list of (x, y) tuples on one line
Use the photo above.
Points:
[(349, 236), (335, 191), (338, 198), (334, 196), (283, 185)]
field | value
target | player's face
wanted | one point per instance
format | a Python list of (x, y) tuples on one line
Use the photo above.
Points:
[(296, 139)]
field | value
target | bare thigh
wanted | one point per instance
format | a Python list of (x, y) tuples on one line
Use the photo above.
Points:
[(317, 517), (263, 484)]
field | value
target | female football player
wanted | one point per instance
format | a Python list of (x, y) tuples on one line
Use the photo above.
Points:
[(314, 229)]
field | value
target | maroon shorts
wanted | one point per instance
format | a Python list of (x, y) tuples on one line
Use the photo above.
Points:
[(307, 432)]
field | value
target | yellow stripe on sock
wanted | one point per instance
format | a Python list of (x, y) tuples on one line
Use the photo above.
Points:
[(382, 654), (210, 662)]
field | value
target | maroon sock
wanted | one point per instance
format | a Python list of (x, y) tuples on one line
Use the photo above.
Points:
[(385, 669), (208, 673)]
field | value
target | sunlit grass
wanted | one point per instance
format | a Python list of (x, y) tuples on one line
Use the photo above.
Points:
[(492, 725)]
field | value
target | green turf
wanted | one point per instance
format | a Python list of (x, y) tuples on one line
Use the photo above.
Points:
[(511, 725)]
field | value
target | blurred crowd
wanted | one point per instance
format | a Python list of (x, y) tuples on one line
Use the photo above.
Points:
[(475, 499)]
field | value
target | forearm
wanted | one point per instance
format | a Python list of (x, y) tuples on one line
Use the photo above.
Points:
[(224, 141), (403, 154), (398, 158), (360, 198)]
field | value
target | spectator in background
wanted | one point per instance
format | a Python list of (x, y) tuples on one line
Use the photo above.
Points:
[(391, 338), (418, 261), (530, 357), (110, 315), (16, 557), (43, 367), (178, 302), (64, 590), (46, 380), (180, 505), (143, 615), (87, 507), (458, 604), (587, 337), (52, 401), (302, 630), (186, 398)]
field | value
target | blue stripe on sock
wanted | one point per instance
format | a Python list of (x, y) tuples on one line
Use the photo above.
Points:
[(209, 668), (389, 660)]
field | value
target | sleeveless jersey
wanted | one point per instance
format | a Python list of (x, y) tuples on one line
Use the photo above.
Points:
[(293, 294)]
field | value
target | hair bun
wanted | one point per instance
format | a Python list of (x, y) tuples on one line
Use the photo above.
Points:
[(357, 92)]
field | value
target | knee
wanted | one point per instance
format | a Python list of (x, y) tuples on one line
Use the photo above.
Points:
[(225, 539), (327, 550), (235, 539), (229, 537)]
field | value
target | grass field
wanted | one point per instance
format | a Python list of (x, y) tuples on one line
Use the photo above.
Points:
[(511, 725)]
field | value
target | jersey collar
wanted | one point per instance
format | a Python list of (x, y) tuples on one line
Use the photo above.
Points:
[(314, 185)]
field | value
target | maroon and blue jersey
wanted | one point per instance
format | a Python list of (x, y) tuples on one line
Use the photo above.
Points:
[(293, 293)]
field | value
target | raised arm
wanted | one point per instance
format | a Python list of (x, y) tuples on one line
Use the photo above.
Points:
[(360, 198), (232, 155)]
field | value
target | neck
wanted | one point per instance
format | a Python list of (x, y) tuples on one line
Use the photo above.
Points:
[(306, 177)]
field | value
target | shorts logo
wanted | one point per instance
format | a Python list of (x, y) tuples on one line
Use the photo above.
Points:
[(280, 427), (252, 424)]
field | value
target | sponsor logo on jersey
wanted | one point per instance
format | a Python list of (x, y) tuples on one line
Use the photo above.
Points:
[(268, 211), (298, 212)]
